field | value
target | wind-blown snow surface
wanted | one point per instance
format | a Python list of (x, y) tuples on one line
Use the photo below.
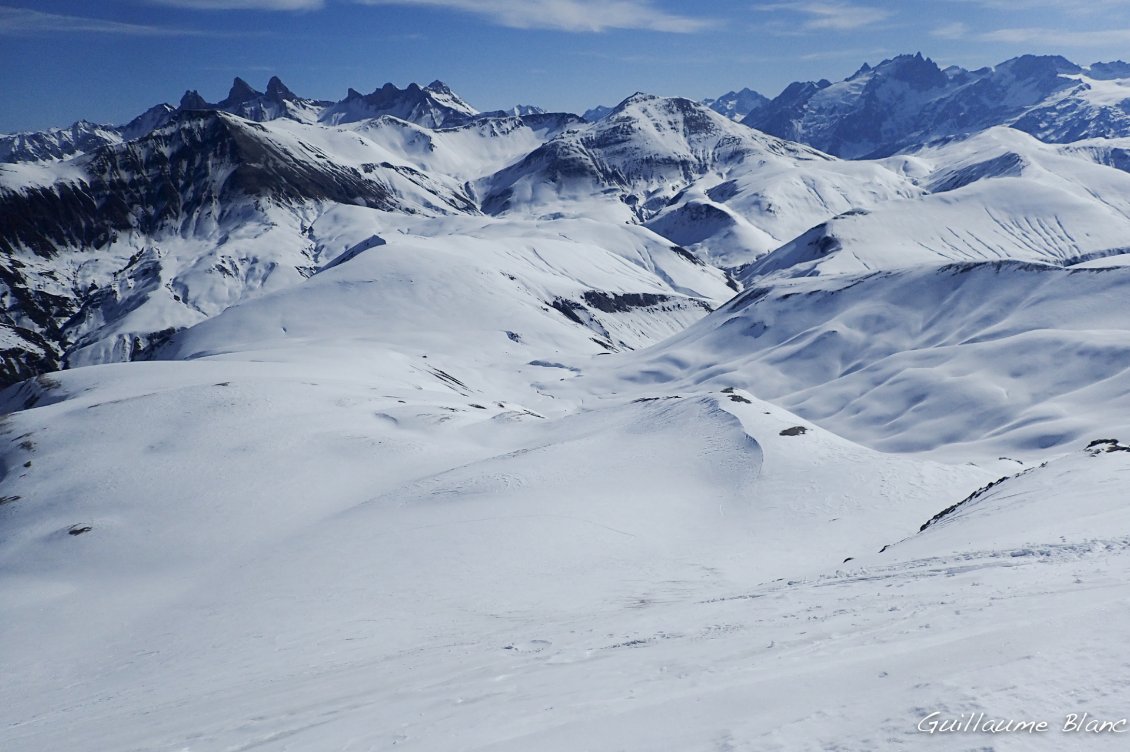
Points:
[(451, 438), (361, 515)]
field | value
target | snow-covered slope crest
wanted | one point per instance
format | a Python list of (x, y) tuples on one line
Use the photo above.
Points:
[(1021, 514)]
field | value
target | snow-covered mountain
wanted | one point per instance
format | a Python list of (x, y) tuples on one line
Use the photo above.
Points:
[(382, 423), (724, 191), (518, 110), (57, 143), (646, 150), (156, 233), (910, 100), (431, 106), (737, 105), (593, 114), (277, 102)]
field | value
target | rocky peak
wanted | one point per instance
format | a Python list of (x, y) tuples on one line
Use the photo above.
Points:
[(240, 93), (1110, 71), (278, 91), (193, 101), (918, 71), (1038, 67)]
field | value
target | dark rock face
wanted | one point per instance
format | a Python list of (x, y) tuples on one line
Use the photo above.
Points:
[(172, 177), (612, 302), (193, 101), (148, 121), (32, 356), (240, 93), (278, 91), (179, 171), (783, 114)]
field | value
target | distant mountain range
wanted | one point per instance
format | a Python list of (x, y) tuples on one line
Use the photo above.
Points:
[(909, 100), (116, 236), (432, 106), (879, 110)]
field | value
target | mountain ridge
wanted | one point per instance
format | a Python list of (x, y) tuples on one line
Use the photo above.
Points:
[(909, 100)]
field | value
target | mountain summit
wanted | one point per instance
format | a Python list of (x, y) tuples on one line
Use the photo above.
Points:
[(737, 105)]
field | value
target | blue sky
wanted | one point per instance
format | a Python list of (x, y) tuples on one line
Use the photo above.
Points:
[(108, 60)]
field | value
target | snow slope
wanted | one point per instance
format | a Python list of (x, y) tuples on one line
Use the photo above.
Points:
[(724, 191), (458, 435), (974, 359), (378, 555)]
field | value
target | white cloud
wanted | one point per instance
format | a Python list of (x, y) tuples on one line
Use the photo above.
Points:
[(851, 54), (22, 21), (1033, 35), (832, 15), (955, 30), (1042, 36), (566, 15), (1072, 7), (244, 4)]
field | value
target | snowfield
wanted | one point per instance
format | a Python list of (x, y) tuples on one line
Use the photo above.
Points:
[(390, 425)]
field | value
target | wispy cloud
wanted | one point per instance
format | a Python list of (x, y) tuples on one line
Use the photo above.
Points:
[(567, 15), (1057, 36), (850, 54), (955, 30), (1032, 35), (1072, 7), (831, 15), (243, 4), (23, 21)]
